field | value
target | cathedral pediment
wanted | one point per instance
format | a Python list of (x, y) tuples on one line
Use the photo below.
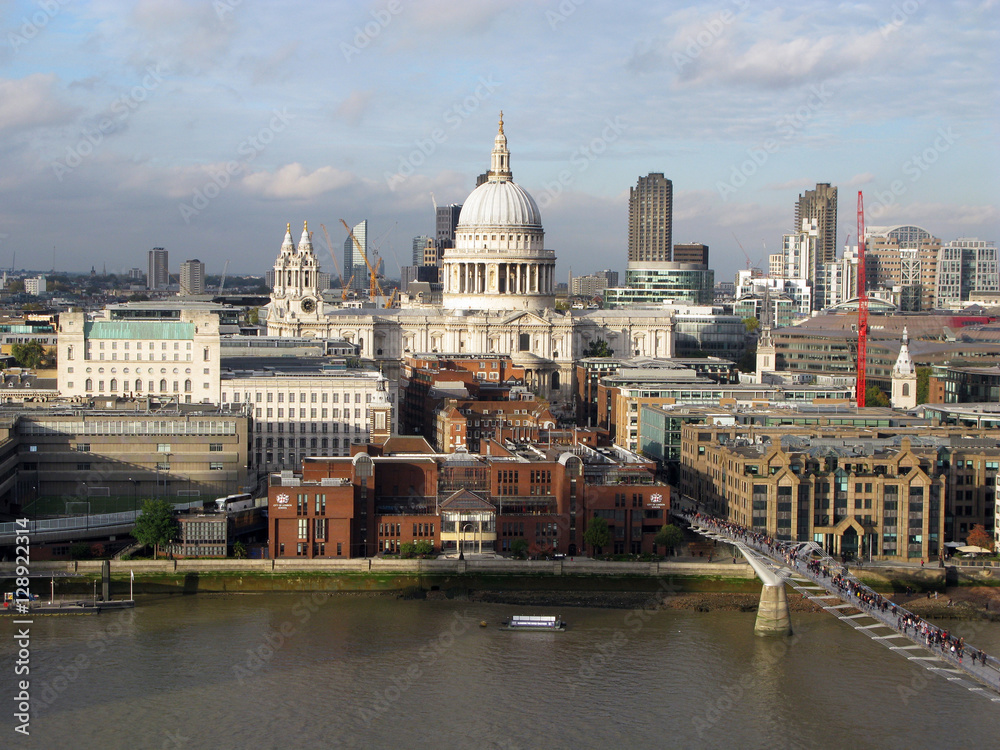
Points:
[(524, 317)]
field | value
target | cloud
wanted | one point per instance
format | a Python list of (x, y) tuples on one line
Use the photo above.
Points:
[(31, 102), (353, 108), (292, 182)]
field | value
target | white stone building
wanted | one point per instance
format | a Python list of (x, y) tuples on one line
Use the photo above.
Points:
[(499, 296)]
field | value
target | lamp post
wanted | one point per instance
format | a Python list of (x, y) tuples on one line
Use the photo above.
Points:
[(461, 540)]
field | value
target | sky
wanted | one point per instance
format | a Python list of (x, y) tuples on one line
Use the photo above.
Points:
[(204, 127)]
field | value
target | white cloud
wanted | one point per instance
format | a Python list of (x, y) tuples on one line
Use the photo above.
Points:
[(31, 102), (293, 182)]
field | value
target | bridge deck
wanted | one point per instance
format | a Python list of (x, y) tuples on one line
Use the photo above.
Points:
[(806, 583)]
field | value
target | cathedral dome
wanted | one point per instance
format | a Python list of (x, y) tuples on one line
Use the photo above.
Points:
[(499, 203)]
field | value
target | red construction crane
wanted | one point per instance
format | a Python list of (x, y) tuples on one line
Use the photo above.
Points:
[(861, 384)]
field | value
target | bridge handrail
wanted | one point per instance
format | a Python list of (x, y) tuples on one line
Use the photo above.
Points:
[(898, 610)]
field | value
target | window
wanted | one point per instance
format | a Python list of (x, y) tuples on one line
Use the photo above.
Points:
[(215, 447), (216, 466), (163, 447)]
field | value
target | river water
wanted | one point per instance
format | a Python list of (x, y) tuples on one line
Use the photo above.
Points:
[(305, 671)]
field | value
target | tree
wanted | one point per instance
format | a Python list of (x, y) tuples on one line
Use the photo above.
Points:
[(597, 535), (875, 396), (156, 524), (980, 537), (598, 348), (240, 551), (669, 537), (423, 547), (751, 324), (407, 550), (748, 361), (28, 355), (923, 385), (519, 548)]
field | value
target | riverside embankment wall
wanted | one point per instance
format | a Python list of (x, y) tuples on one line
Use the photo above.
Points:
[(380, 575)]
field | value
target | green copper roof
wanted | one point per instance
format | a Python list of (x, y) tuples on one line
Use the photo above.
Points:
[(128, 329)]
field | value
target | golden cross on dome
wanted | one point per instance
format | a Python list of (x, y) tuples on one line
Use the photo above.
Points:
[(501, 121)]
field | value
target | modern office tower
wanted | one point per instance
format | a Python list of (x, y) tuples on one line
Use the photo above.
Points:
[(192, 277), (593, 284), (820, 206), (134, 274), (446, 219), (692, 252), (903, 258), (965, 266), (650, 218), (35, 286), (419, 246), (354, 259), (157, 275)]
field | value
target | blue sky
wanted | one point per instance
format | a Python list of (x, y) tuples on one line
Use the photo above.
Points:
[(203, 127)]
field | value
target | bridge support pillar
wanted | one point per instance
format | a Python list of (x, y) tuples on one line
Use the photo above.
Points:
[(772, 613)]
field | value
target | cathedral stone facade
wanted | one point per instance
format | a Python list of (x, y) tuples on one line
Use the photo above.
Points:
[(499, 298)]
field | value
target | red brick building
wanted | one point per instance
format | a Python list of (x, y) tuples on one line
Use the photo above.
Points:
[(375, 501)]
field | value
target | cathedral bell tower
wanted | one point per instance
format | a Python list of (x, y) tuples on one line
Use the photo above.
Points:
[(296, 294), (904, 378)]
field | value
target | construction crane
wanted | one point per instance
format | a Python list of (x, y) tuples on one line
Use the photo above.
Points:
[(374, 288), (745, 253), (222, 284), (333, 256), (861, 384), (345, 288)]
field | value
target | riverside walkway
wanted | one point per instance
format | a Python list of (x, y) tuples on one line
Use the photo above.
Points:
[(810, 572)]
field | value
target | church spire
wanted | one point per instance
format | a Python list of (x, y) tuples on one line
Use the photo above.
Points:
[(500, 157), (904, 363), (305, 242), (287, 246)]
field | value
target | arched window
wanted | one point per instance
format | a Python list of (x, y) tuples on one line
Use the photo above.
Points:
[(138, 384), (187, 386), (89, 385), (555, 381), (163, 386), (114, 384), (906, 389)]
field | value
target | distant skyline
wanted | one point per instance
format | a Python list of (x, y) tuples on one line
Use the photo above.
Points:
[(205, 127)]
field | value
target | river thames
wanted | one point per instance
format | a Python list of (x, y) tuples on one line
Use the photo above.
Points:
[(304, 671)]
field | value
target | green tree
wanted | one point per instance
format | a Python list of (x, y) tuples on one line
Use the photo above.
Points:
[(407, 550), (923, 385), (669, 537), (423, 547), (875, 396), (748, 362), (253, 316), (155, 525), (597, 535), (598, 348), (751, 324), (519, 548), (240, 551), (29, 355)]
